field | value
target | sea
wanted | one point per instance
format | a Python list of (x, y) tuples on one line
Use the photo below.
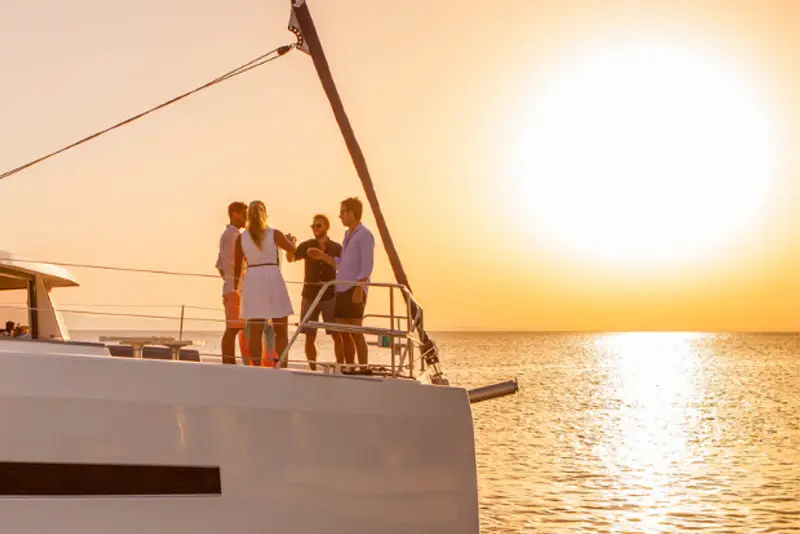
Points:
[(629, 432)]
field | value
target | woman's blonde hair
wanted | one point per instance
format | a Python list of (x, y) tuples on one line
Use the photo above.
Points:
[(257, 221)]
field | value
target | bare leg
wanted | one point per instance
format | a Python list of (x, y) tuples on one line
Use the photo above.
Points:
[(233, 325), (348, 347), (361, 348), (254, 340), (357, 343), (229, 345), (311, 349), (338, 347), (281, 326)]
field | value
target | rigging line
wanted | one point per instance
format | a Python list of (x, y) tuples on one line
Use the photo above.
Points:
[(135, 270), (253, 63), (111, 314), (126, 269), (98, 305), (113, 268)]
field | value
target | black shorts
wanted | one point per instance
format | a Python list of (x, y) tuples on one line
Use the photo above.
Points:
[(326, 307), (346, 308)]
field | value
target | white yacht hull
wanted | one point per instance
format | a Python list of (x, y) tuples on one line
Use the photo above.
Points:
[(296, 452)]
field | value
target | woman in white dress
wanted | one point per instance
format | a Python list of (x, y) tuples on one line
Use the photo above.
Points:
[(264, 294)]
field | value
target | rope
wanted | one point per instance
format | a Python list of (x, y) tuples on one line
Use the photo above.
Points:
[(111, 314), (257, 62), (114, 268), (99, 305), (133, 315), (135, 270)]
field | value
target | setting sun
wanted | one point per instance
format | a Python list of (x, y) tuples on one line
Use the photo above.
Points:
[(646, 153)]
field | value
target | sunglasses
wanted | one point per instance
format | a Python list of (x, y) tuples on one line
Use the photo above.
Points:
[(316, 226)]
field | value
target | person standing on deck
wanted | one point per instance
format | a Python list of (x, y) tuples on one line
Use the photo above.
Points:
[(317, 273), (237, 214), (264, 294), (354, 265)]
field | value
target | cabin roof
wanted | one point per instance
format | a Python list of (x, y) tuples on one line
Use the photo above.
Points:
[(15, 271)]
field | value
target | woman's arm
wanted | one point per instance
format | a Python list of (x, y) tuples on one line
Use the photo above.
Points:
[(282, 242), (292, 255)]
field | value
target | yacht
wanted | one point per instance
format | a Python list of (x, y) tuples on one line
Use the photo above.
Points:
[(150, 436), (96, 441)]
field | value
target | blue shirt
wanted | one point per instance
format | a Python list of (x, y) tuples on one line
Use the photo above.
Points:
[(358, 253)]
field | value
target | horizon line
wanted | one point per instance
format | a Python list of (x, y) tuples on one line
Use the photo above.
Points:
[(495, 330)]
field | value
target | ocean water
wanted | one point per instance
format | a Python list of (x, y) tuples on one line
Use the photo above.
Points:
[(632, 432)]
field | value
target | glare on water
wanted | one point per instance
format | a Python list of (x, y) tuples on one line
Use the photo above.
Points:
[(636, 432)]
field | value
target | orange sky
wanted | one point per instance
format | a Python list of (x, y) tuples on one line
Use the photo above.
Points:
[(435, 92)]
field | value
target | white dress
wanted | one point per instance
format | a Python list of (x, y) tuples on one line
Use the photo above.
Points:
[(264, 294)]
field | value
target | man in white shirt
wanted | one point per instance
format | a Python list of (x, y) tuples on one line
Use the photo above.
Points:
[(237, 213)]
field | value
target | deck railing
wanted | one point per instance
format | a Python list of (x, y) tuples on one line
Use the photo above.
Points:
[(403, 342), (400, 337)]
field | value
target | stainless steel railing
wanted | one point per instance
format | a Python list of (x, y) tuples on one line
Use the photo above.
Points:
[(395, 332)]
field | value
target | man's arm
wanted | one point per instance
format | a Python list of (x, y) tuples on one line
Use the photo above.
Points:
[(367, 257), (225, 256), (317, 254), (337, 258), (237, 262)]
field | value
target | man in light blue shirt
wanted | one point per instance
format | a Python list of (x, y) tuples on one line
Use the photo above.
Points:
[(354, 265)]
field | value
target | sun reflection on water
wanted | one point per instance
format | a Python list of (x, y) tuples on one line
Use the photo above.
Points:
[(663, 432), (653, 382)]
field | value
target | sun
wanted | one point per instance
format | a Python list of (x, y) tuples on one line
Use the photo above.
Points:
[(644, 153)]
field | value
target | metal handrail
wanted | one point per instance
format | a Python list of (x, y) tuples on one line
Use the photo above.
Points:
[(384, 316), (411, 322)]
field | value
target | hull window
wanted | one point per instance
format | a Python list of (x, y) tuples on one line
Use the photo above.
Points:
[(54, 479)]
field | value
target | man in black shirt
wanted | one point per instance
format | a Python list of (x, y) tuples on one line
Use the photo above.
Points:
[(318, 272)]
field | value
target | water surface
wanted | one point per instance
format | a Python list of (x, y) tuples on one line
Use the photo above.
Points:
[(636, 432)]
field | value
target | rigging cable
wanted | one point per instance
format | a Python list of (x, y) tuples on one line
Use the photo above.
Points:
[(112, 314), (257, 62), (133, 269)]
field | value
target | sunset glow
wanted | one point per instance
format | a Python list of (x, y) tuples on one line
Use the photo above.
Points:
[(558, 164)]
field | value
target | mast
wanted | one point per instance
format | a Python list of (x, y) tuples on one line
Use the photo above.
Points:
[(302, 25)]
